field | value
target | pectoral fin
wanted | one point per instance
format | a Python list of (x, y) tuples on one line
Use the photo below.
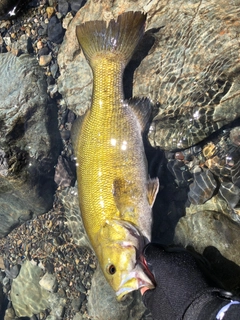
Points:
[(153, 187)]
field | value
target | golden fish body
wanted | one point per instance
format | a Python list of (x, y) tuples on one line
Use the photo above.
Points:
[(115, 192)]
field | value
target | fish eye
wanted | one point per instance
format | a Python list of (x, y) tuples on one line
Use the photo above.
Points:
[(111, 269)]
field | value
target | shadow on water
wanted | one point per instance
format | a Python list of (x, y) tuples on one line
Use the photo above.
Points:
[(169, 206), (141, 52), (171, 200)]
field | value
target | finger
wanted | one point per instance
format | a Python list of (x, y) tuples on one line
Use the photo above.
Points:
[(143, 290)]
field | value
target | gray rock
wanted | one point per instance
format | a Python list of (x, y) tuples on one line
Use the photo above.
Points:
[(27, 296), (209, 228), (29, 142), (78, 316), (49, 282), (191, 71), (212, 231), (13, 272), (102, 303)]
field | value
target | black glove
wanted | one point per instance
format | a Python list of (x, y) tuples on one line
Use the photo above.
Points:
[(182, 288)]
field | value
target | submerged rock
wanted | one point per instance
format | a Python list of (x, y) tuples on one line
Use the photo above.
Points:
[(31, 292), (27, 296), (192, 71), (29, 142), (206, 230)]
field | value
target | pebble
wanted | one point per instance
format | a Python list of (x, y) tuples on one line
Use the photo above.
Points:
[(54, 69), (2, 263), (50, 12), (49, 282), (67, 20), (78, 316), (7, 41), (75, 5), (40, 45), (55, 30), (43, 51), (63, 7), (76, 304), (80, 287), (13, 272), (45, 60), (5, 281)]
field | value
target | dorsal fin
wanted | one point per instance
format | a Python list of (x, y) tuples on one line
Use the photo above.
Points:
[(142, 108)]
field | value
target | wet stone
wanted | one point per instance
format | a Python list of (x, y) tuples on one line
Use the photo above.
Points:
[(75, 5), (77, 303), (13, 272), (207, 229), (44, 60), (55, 30), (43, 51), (29, 142), (63, 7), (49, 282), (27, 296)]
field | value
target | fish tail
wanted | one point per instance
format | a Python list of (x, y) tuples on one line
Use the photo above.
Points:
[(120, 36)]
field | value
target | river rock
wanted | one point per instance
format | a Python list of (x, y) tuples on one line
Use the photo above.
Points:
[(29, 142), (55, 30), (210, 231), (27, 296), (191, 72)]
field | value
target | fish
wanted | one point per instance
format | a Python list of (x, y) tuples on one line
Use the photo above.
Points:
[(115, 192)]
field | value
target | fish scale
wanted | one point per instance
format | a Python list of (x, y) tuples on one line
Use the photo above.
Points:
[(113, 121)]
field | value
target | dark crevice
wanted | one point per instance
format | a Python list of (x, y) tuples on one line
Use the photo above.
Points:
[(140, 53)]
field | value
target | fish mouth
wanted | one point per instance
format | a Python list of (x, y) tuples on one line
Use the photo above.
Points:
[(134, 280)]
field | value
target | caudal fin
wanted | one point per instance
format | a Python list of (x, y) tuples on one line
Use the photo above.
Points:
[(120, 36)]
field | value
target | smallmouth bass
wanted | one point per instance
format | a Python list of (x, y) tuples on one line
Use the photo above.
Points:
[(115, 192)]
